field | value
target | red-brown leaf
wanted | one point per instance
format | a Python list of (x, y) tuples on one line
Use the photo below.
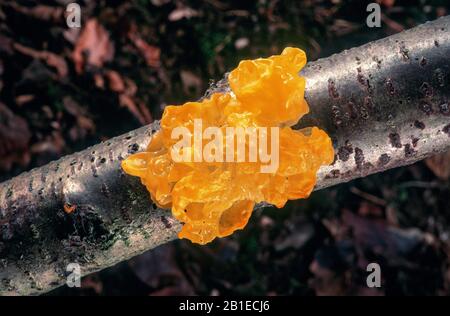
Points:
[(93, 47), (14, 139), (51, 59), (440, 165)]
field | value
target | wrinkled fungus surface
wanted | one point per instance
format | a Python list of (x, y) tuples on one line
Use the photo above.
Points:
[(213, 199)]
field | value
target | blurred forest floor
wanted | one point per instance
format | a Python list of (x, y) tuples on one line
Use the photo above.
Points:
[(64, 89)]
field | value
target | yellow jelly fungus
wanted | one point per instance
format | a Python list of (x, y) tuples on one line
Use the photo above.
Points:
[(213, 199)]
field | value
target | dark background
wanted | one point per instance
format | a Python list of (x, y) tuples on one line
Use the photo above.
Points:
[(63, 89)]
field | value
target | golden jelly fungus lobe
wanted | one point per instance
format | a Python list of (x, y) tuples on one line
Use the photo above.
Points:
[(213, 198)]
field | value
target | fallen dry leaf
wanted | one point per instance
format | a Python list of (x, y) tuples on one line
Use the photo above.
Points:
[(127, 89), (99, 81), (6, 45), (328, 277), (72, 107), (342, 27), (14, 139), (40, 12), (441, 11), (369, 209), (93, 282), (130, 87), (1, 75), (93, 47), (51, 59), (440, 165), (181, 13), (375, 234), (53, 144), (145, 113), (128, 102), (71, 34), (150, 53), (115, 81), (394, 27), (23, 99), (85, 125), (159, 270), (387, 3), (159, 3)]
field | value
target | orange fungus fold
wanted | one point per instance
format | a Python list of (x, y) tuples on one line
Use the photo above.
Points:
[(214, 187)]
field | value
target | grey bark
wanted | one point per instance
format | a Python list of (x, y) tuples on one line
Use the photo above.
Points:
[(385, 104)]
